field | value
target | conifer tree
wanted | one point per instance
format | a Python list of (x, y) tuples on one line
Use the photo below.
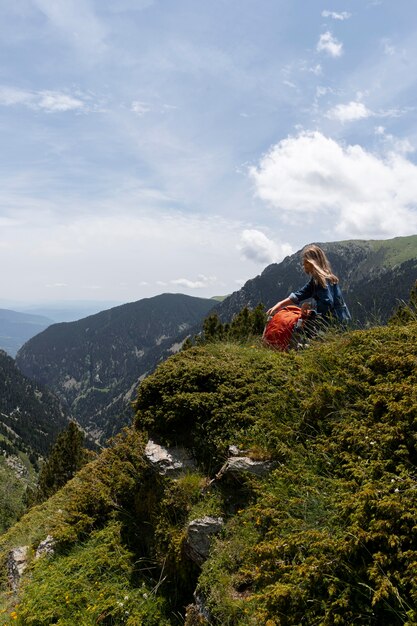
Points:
[(406, 312), (67, 456)]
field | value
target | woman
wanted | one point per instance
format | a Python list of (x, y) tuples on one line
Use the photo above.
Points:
[(323, 286)]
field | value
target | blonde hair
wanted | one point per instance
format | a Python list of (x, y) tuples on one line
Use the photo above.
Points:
[(321, 269)]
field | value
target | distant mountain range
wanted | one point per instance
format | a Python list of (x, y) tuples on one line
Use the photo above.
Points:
[(17, 328), (95, 364)]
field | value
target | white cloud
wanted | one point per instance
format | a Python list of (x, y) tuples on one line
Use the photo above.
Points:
[(317, 70), (45, 100), (329, 44), (344, 15), (349, 112), (353, 192), (10, 96), (395, 144), (201, 282), (54, 101), (140, 108), (256, 246)]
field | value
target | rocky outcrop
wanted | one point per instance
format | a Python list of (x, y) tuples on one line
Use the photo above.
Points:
[(169, 461), (200, 534), (16, 564), (45, 548), (244, 464)]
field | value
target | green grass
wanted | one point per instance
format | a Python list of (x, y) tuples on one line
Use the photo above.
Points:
[(397, 250)]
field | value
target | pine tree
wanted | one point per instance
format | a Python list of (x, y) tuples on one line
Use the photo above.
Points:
[(67, 456), (406, 312), (212, 328)]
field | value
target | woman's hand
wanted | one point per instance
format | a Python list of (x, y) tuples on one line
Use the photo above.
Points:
[(273, 309), (279, 305)]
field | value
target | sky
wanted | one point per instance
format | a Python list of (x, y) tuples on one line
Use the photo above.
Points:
[(152, 146)]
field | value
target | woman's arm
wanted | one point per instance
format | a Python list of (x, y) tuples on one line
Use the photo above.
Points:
[(279, 305), (294, 298)]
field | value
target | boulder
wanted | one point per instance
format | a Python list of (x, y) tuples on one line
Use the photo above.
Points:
[(169, 461), (16, 564), (200, 534)]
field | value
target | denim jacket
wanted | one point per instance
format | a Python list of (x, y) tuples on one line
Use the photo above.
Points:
[(329, 299)]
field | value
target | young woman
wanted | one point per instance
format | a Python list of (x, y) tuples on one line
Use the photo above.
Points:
[(323, 286)]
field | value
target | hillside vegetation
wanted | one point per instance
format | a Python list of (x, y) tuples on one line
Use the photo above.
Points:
[(95, 364), (327, 537)]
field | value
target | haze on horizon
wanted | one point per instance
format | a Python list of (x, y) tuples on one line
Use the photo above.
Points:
[(153, 146)]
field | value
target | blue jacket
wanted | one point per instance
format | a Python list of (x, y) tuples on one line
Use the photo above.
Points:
[(329, 299)]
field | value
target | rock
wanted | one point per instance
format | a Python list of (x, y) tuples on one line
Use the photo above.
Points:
[(241, 464), (16, 564), (235, 451), (200, 534), (46, 547), (169, 460), (17, 466), (197, 614)]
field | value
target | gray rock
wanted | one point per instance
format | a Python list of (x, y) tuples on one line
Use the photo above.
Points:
[(241, 464), (235, 451), (46, 547), (16, 564), (170, 461), (197, 614), (200, 534)]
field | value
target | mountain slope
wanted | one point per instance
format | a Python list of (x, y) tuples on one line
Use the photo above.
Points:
[(30, 416), (17, 328), (326, 536), (95, 364), (374, 276)]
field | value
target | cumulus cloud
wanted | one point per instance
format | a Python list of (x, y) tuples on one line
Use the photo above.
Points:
[(354, 192), (349, 112), (344, 15), (393, 143), (256, 246), (329, 44)]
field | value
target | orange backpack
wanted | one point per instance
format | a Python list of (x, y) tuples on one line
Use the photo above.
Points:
[(278, 331)]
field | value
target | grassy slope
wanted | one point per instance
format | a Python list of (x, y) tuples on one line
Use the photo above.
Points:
[(397, 250), (329, 537)]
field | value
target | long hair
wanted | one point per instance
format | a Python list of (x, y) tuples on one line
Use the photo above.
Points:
[(321, 269)]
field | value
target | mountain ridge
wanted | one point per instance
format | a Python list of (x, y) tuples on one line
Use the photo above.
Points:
[(94, 364)]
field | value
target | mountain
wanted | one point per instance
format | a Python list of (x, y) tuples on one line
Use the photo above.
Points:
[(374, 275), (94, 364), (16, 328), (30, 416), (293, 502)]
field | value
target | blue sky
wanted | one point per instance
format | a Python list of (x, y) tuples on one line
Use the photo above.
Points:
[(183, 145)]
